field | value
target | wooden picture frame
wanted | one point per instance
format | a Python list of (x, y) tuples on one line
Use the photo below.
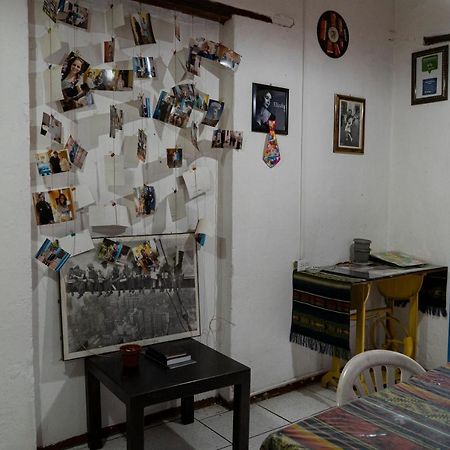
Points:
[(270, 103), (107, 304), (429, 75), (349, 124)]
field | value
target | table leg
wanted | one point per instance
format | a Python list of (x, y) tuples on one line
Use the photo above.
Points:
[(412, 322), (361, 292), (135, 425), (241, 414), (93, 410), (187, 410)]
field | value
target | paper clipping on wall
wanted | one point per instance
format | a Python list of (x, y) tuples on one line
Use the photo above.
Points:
[(114, 170), (52, 255), (49, 43), (108, 218), (197, 180), (227, 139), (83, 197), (77, 243), (177, 205)]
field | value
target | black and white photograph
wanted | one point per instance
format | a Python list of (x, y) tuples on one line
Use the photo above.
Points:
[(106, 306), (348, 124), (51, 127), (270, 103), (227, 139), (144, 67), (213, 114), (141, 26), (72, 14)]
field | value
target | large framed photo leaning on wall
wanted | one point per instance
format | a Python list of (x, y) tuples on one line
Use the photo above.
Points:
[(349, 118), (429, 75), (140, 289), (270, 103)]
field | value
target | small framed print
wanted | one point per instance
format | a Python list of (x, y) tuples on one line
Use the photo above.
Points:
[(349, 118), (429, 74)]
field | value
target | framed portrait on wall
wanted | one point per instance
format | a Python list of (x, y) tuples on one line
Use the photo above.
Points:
[(136, 289), (349, 118), (270, 103), (429, 75)]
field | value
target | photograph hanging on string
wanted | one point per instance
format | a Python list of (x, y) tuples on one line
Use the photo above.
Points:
[(52, 161), (213, 113), (227, 139), (174, 157), (144, 67), (54, 206), (200, 100), (152, 297), (184, 91), (50, 7), (141, 27), (109, 79), (77, 154), (52, 255), (51, 127), (115, 120), (142, 146), (76, 93), (108, 50), (144, 106), (145, 200), (72, 14)]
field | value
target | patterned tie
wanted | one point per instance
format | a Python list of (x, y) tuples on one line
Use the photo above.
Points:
[(271, 154)]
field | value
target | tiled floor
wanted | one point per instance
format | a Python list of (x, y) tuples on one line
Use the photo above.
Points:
[(212, 428)]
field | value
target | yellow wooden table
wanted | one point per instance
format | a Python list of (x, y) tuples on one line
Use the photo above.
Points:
[(393, 284)]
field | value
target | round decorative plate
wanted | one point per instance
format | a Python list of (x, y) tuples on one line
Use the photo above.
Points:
[(332, 33)]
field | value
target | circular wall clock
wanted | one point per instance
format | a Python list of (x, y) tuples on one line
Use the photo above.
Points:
[(332, 33)]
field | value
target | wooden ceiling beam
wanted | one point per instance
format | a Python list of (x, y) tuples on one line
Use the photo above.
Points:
[(206, 9)]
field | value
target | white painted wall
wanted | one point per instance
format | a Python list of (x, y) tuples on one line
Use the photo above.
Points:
[(419, 211), (17, 418)]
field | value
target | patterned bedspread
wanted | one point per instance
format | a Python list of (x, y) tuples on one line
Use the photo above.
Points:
[(409, 416)]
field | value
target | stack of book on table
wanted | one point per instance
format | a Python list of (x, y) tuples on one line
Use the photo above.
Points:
[(169, 355)]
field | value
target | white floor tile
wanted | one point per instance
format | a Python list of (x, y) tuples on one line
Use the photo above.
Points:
[(296, 405), (321, 391), (176, 436), (261, 421), (209, 411)]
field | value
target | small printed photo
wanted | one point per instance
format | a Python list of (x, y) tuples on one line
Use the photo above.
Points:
[(141, 26), (73, 14), (75, 91), (142, 146), (207, 49), (52, 161), (194, 135), (51, 127), (228, 57), (77, 154), (215, 109), (50, 7), (174, 157), (146, 255), (109, 250), (109, 79), (164, 106), (52, 255), (115, 120), (145, 200), (200, 100), (180, 113), (144, 106), (144, 67), (227, 139), (184, 91), (193, 60), (53, 206), (108, 51), (123, 256)]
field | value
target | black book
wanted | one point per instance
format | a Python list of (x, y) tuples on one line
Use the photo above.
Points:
[(168, 353)]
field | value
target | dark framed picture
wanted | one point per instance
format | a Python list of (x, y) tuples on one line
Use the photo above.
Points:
[(270, 103), (429, 75), (136, 289), (349, 118)]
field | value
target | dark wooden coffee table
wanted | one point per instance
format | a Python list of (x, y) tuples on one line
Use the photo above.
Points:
[(153, 383)]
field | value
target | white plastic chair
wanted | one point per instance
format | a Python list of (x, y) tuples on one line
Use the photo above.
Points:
[(372, 371)]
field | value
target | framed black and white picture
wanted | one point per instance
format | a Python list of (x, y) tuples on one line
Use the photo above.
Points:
[(270, 103), (145, 290), (349, 118)]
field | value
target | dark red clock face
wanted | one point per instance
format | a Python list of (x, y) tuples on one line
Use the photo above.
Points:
[(332, 33)]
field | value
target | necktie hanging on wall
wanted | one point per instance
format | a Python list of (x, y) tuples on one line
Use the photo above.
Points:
[(271, 153)]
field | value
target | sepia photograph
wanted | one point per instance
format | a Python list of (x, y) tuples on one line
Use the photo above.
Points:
[(152, 296)]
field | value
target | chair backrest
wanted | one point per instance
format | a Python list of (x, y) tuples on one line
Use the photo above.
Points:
[(372, 371)]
